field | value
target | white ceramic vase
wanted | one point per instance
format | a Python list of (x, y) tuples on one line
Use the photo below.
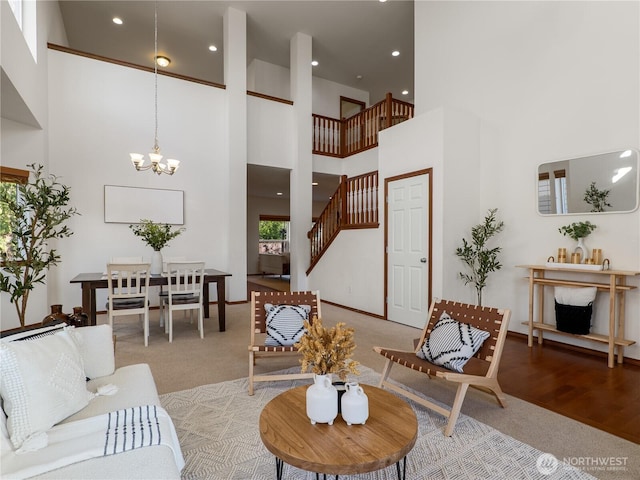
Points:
[(322, 400), (355, 405), (156, 263), (582, 249)]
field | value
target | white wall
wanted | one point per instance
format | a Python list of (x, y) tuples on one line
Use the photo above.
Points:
[(268, 79), (548, 80), (24, 122), (99, 113), (326, 96), (269, 128)]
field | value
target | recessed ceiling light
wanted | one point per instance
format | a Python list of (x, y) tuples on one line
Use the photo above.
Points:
[(213, 48), (405, 92), (117, 21), (315, 184), (278, 193), (359, 77), (382, 1), (395, 53), (314, 63), (163, 61)]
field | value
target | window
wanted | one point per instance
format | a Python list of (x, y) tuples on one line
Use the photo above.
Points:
[(274, 235), (9, 180), (544, 193), (561, 191)]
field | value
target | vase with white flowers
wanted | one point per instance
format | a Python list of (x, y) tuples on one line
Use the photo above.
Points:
[(157, 236)]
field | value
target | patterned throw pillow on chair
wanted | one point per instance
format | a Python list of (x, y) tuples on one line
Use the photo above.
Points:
[(451, 344), (285, 323)]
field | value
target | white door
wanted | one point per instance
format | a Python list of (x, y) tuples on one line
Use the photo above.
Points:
[(407, 250)]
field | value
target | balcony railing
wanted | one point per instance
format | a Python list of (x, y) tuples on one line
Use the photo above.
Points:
[(341, 138), (353, 205)]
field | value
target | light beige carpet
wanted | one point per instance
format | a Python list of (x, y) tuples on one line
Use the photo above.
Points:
[(218, 430), (189, 362)]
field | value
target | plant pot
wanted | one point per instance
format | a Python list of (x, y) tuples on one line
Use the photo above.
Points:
[(156, 263)]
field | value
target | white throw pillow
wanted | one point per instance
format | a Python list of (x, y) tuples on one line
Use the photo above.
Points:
[(96, 348), (577, 296), (42, 382), (285, 324), (451, 344)]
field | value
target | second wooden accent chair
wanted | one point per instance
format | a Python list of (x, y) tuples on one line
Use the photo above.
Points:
[(257, 347), (480, 371)]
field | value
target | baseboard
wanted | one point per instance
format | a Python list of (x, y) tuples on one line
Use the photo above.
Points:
[(353, 309), (574, 348)]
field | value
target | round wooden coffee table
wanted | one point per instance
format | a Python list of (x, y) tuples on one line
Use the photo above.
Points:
[(339, 449)]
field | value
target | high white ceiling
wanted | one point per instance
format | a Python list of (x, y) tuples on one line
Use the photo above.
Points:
[(350, 39)]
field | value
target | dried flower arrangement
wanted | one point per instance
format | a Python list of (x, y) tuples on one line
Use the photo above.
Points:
[(327, 351)]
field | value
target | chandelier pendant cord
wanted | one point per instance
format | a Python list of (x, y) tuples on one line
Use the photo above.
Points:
[(156, 147), (171, 165)]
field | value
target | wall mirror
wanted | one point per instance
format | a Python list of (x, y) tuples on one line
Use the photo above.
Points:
[(603, 183)]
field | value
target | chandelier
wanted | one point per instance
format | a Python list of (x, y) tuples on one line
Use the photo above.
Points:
[(155, 165)]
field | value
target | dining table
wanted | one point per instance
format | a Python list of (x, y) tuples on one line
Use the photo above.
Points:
[(90, 282)]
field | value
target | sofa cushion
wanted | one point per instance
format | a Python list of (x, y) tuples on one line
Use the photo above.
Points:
[(42, 381), (285, 323), (135, 387), (96, 348), (451, 344)]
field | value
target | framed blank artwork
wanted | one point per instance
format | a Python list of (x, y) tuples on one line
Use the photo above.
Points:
[(132, 204)]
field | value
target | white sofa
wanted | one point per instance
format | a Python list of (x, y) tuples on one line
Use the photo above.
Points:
[(74, 447)]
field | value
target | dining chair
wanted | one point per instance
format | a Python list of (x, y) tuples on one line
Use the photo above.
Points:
[(128, 292), (162, 294), (276, 324), (184, 292)]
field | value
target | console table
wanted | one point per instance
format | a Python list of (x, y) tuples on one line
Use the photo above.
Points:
[(616, 287)]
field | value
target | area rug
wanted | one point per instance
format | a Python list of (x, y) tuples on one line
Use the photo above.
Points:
[(218, 430)]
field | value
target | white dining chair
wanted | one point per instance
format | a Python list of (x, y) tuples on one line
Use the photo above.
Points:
[(184, 292), (128, 292)]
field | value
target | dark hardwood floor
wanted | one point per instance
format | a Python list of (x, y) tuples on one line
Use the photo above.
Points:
[(574, 384)]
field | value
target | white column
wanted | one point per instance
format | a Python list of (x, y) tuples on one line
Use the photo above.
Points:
[(301, 173), (235, 79)]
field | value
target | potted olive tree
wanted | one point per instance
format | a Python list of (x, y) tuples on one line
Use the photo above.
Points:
[(478, 256), (36, 213), (157, 236)]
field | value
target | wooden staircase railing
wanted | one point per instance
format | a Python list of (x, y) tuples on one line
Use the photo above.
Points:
[(341, 138), (353, 205)]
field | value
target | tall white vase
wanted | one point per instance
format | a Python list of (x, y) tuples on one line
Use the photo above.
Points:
[(322, 400), (582, 249), (156, 263)]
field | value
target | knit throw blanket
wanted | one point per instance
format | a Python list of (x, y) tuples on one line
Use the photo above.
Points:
[(108, 434)]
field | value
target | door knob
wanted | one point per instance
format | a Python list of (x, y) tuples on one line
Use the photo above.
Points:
[(423, 260)]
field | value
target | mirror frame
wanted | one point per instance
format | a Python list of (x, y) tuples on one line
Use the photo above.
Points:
[(557, 165)]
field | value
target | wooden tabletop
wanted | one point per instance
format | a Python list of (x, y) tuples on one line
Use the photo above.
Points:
[(339, 449)]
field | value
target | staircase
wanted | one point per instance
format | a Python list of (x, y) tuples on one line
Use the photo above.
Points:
[(353, 205)]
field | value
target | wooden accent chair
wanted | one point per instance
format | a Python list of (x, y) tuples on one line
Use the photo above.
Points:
[(257, 347), (481, 370)]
